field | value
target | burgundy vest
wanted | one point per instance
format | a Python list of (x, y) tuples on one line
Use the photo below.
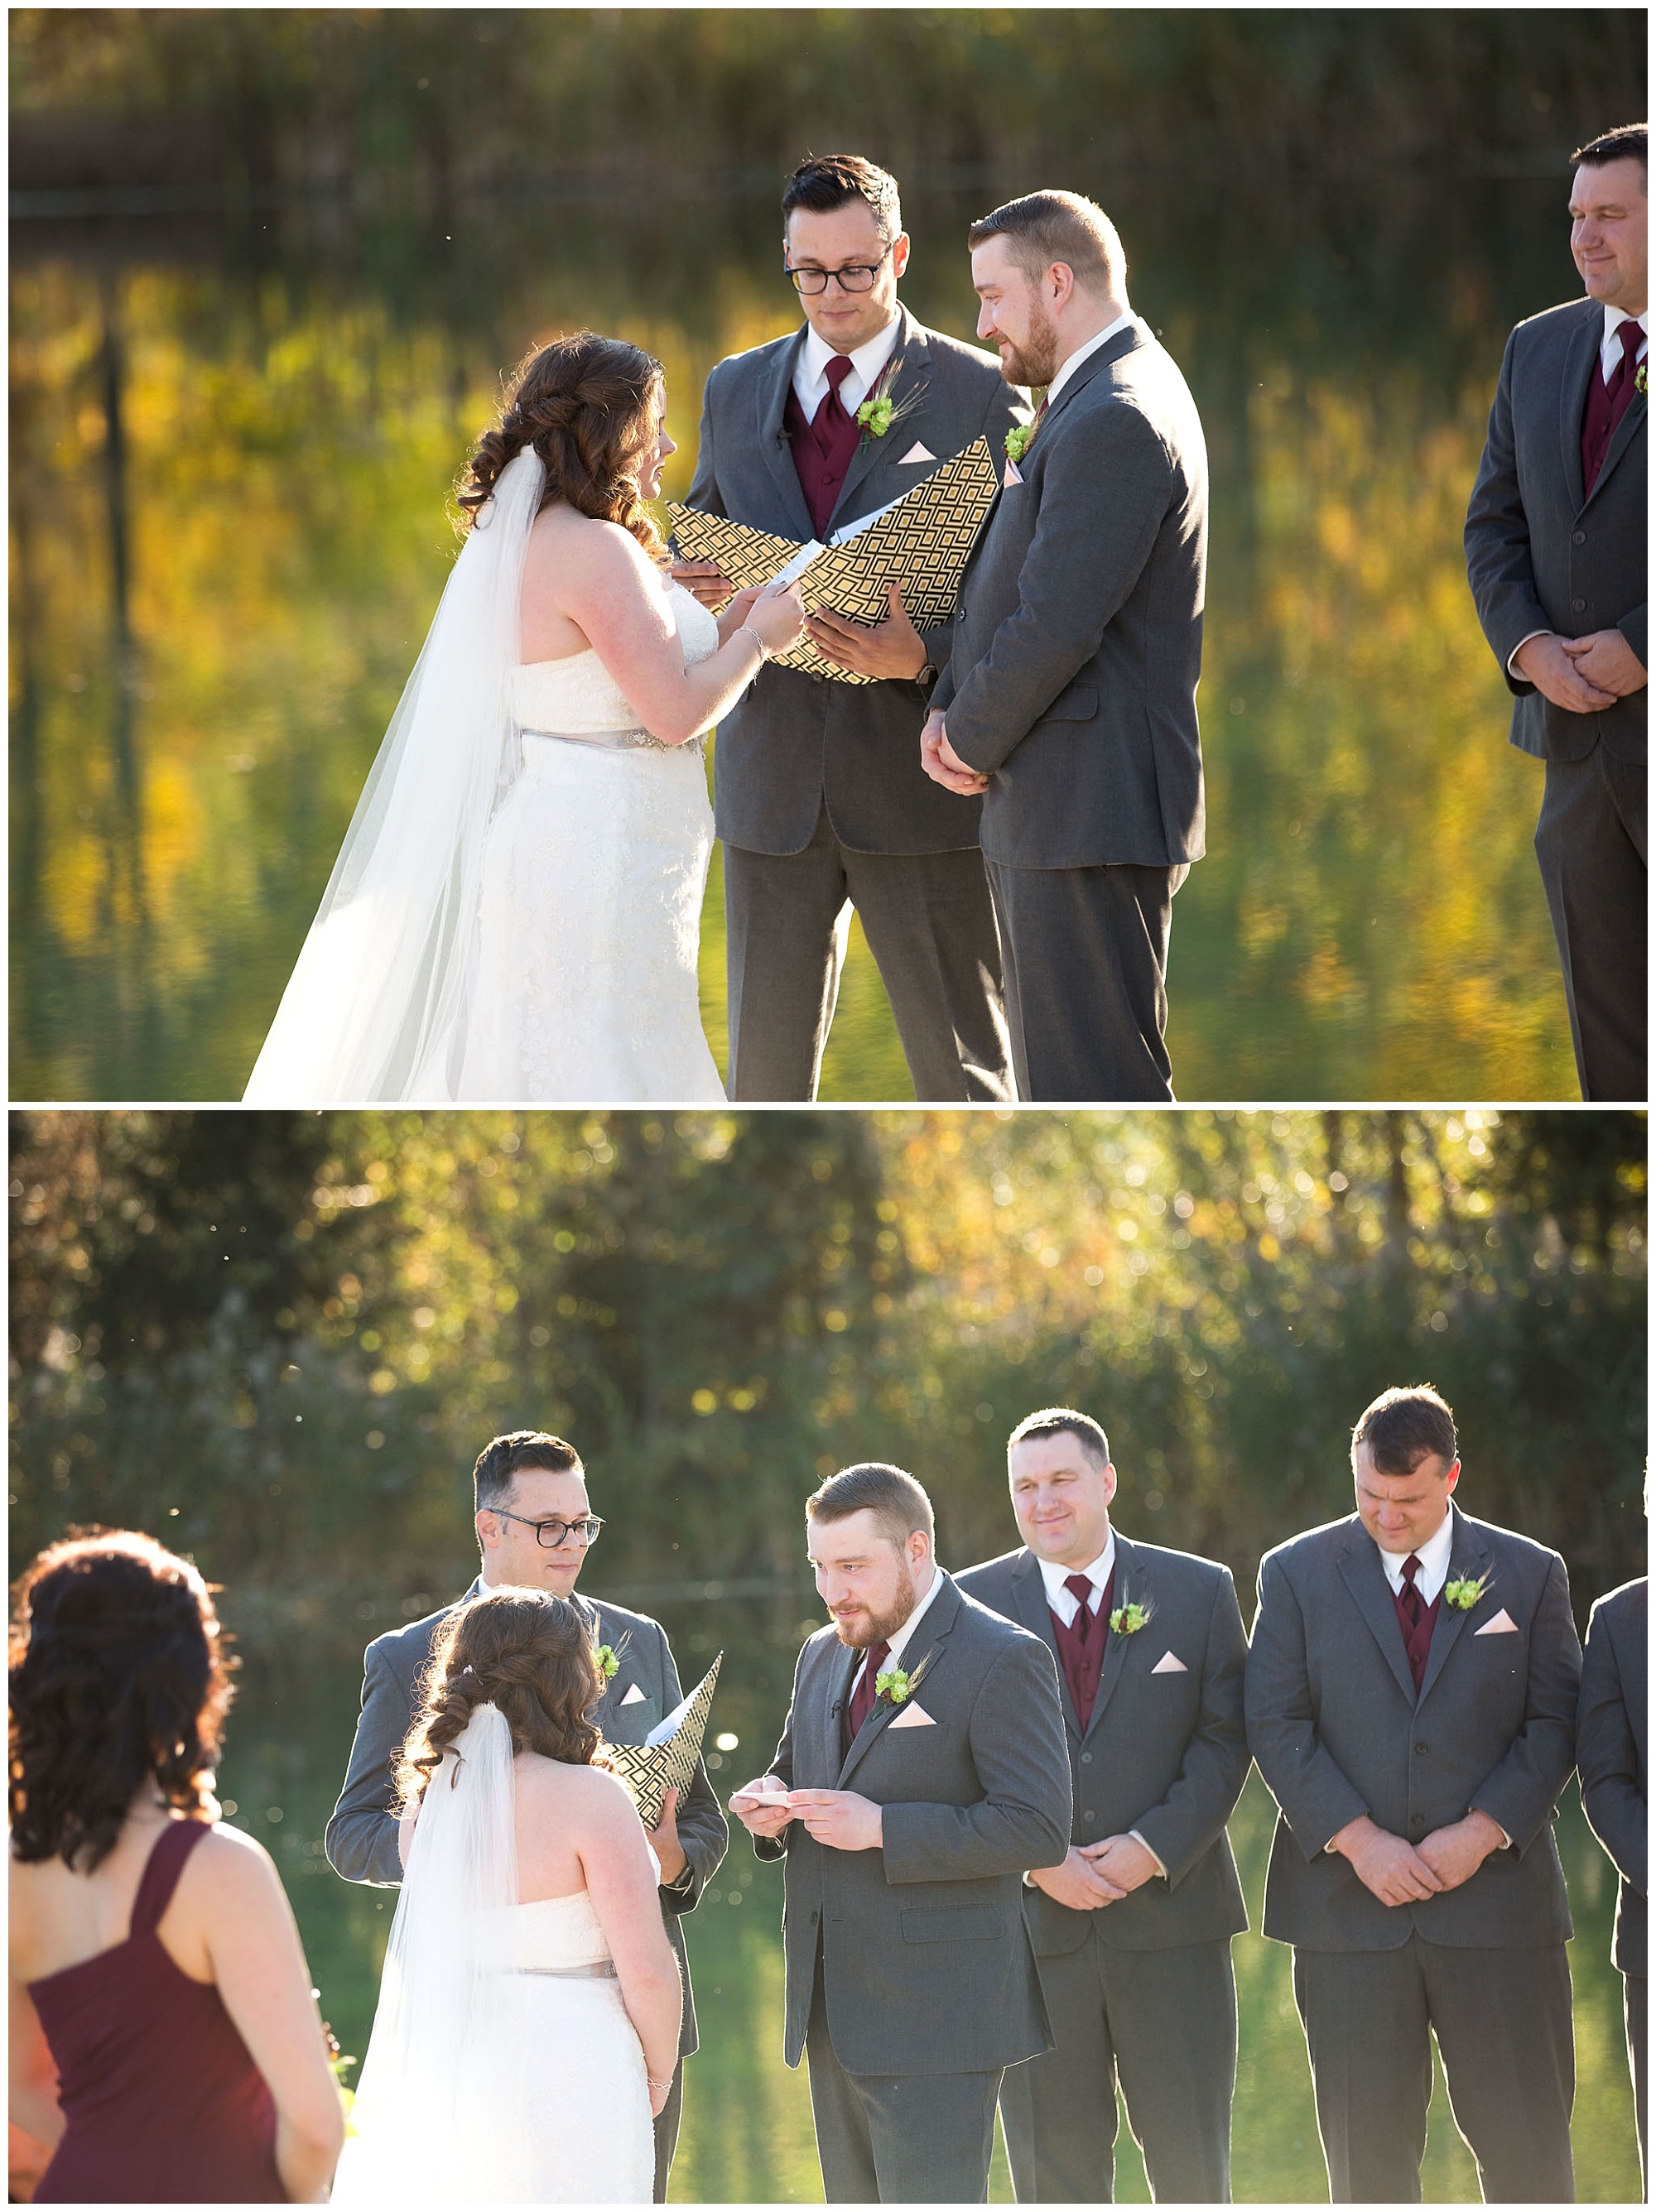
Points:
[(1417, 1642), (1083, 1662), (822, 452), (1606, 404)]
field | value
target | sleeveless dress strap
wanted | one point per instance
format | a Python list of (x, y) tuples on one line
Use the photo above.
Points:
[(161, 1875)]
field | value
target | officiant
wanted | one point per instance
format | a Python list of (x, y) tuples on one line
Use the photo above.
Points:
[(535, 1527), (818, 794)]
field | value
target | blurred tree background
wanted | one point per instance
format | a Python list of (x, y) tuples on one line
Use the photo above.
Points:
[(279, 1340)]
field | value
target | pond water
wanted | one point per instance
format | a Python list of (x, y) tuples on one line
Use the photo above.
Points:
[(231, 446), (747, 2135)]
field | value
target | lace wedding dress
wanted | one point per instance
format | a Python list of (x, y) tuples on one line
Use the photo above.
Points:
[(584, 986), (503, 2067)]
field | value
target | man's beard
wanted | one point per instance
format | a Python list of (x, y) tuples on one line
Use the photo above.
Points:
[(1036, 361), (871, 1628)]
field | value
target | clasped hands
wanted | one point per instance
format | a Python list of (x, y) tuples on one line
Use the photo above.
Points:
[(1400, 1873), (893, 649), (1096, 1874), (1583, 675), (839, 1818)]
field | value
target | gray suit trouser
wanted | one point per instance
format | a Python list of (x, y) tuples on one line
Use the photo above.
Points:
[(1589, 843), (1085, 957), (931, 928), (897, 2138), (1504, 2029), (1163, 2024)]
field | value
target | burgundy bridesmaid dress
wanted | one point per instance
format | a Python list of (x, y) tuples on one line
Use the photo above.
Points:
[(162, 2102)]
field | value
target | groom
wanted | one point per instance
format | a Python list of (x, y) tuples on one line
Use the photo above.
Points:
[(534, 1527), (820, 801), (1070, 697), (924, 1753)]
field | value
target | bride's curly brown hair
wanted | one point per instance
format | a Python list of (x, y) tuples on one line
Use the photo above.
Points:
[(588, 405), (524, 1650)]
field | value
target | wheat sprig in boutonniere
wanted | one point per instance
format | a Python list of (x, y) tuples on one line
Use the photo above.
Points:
[(880, 410), (1463, 1593), (1127, 1619), (892, 1687)]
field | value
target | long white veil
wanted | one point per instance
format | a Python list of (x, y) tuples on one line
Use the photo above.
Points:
[(441, 2111), (374, 1007)]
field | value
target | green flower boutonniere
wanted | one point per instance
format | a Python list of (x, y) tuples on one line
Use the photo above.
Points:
[(1017, 441), (1463, 1593), (875, 416), (880, 410), (1127, 1619), (1641, 378), (893, 1685), (608, 1665)]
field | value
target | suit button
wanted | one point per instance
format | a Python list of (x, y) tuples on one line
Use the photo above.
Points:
[(1087, 1759), (1088, 1813), (1577, 537), (1417, 1819), (1577, 605), (1422, 1747)]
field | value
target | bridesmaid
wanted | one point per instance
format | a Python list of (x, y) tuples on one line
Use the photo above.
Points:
[(155, 1962)]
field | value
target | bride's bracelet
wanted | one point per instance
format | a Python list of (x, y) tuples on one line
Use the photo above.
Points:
[(667, 2084), (765, 651)]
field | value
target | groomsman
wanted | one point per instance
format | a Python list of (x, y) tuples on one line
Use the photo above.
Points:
[(1557, 555), (1132, 1932), (1612, 1733), (1070, 697), (1412, 1697), (535, 1527), (924, 1767), (819, 794)]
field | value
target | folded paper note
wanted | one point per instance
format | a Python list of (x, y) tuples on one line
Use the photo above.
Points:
[(921, 542), (1502, 1625), (666, 1760), (913, 1716)]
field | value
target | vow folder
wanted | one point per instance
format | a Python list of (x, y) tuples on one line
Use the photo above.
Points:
[(666, 1758)]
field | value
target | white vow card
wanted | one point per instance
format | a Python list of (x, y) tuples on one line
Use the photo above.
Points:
[(1168, 1665), (916, 453), (913, 1716), (1502, 1625), (635, 1696)]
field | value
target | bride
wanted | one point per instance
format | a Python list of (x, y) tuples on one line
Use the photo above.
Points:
[(527, 2025), (515, 913)]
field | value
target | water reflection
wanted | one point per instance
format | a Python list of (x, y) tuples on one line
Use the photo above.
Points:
[(231, 446), (747, 2135)]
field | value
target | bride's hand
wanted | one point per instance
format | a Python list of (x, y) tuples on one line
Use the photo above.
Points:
[(778, 616), (737, 612)]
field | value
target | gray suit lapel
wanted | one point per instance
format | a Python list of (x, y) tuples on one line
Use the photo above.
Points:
[(1580, 364), (1030, 1605), (1626, 431), (775, 380), (906, 377), (1469, 1558), (1132, 1587), (1365, 1577), (920, 1666), (837, 1677)]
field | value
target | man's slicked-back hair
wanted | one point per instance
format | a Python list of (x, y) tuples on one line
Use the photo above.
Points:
[(1405, 1425), (824, 182), (1059, 1421), (896, 1501), (1629, 141), (501, 1459), (1042, 227)]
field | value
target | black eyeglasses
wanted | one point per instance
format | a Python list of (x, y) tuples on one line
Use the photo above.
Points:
[(549, 1535), (855, 276)]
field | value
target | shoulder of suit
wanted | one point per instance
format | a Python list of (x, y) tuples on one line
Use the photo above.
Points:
[(629, 1619), (1509, 1540), (758, 356), (1563, 319), (1619, 1605), (970, 360), (988, 1570), (399, 1647), (977, 1620), (1329, 1536), (1164, 1556)]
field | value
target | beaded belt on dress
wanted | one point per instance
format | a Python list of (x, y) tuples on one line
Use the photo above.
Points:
[(611, 740), (598, 1969)]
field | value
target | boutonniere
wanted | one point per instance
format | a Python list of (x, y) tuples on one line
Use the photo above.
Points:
[(1127, 1619), (880, 410), (1463, 1593), (1641, 377), (608, 1665), (1017, 441), (892, 1686)]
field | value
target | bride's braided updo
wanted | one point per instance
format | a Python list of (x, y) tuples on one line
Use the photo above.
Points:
[(589, 406), (523, 1650)]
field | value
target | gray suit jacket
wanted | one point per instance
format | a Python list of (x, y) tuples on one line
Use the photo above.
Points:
[(1337, 1730), (1538, 554), (1611, 1750), (1078, 638), (1164, 1754), (793, 740), (926, 1961), (362, 1836)]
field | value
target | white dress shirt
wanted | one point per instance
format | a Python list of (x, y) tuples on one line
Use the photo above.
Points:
[(1083, 352), (899, 1643), (811, 369), (1433, 1556), (1610, 352)]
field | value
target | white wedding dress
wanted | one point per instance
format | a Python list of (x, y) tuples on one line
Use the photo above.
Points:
[(514, 912), (503, 2067)]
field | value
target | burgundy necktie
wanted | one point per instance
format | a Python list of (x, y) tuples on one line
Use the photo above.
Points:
[(1081, 1591), (831, 414), (862, 1697), (1417, 1620)]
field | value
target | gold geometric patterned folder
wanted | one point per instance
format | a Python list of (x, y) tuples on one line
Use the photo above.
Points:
[(666, 1760), (921, 542)]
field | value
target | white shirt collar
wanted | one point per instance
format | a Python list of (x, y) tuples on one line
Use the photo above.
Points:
[(1083, 353), (811, 368), (1063, 1602), (899, 1641), (1609, 350), (1433, 1556)]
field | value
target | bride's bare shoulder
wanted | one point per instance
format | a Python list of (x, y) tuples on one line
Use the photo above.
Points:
[(563, 531), (580, 1790)]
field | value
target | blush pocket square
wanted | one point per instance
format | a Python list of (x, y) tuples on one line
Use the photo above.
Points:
[(635, 1696), (1011, 474), (1502, 1625), (918, 452), (1168, 1665), (913, 1716)]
